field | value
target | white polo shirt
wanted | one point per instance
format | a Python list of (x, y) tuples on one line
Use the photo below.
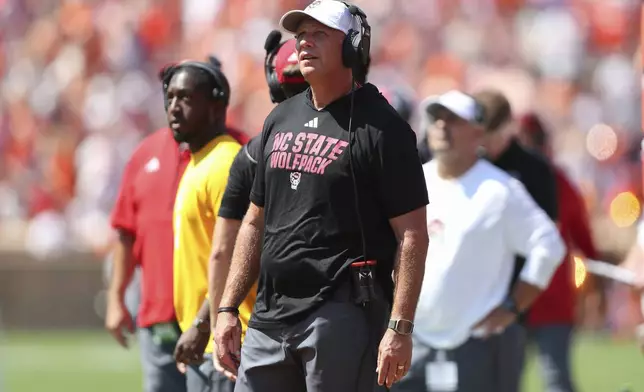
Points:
[(477, 224)]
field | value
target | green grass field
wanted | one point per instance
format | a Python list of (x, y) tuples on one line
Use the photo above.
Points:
[(92, 362)]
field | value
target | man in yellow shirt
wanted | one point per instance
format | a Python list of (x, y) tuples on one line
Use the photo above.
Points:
[(197, 94)]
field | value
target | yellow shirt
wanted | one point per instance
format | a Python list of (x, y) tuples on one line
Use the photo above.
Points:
[(195, 211)]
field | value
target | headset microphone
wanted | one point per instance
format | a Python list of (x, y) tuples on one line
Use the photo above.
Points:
[(272, 41), (214, 61)]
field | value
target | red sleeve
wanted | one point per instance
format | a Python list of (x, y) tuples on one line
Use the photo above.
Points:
[(238, 135), (577, 216), (123, 214)]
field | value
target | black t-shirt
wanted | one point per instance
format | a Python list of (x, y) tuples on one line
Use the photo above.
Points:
[(236, 199), (536, 174), (538, 177), (424, 153), (304, 183)]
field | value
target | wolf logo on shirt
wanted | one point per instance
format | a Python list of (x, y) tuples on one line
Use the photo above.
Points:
[(295, 179)]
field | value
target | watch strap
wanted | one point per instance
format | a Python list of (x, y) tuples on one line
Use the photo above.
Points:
[(202, 325), (510, 305)]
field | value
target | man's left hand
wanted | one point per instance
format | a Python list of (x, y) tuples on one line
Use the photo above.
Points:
[(394, 357), (191, 346), (496, 322)]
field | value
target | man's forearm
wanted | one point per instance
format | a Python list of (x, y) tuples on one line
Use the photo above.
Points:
[(524, 294), (409, 272), (226, 231), (244, 268), (204, 311), (217, 283), (122, 266)]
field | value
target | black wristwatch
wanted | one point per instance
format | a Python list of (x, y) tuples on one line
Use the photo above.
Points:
[(401, 326), (202, 326), (510, 305)]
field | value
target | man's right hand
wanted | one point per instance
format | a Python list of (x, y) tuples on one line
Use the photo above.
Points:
[(118, 319), (218, 367), (228, 341)]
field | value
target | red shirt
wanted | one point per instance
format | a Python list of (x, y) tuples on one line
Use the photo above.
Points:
[(556, 305), (241, 137), (144, 209)]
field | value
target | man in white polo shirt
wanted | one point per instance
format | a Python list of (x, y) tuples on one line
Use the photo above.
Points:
[(478, 218), (634, 262)]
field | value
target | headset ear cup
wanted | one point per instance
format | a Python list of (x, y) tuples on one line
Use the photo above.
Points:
[(348, 50), (355, 42), (275, 88)]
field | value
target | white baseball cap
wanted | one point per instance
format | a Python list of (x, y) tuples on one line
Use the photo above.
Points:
[(459, 103), (331, 13)]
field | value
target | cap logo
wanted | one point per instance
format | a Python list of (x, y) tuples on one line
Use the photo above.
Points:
[(314, 4)]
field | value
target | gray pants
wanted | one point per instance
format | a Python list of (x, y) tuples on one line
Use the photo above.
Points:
[(484, 365), (335, 349), (160, 373), (204, 378), (554, 343)]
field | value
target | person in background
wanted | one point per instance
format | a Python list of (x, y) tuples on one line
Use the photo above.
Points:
[(478, 218), (551, 318), (283, 68), (238, 135), (198, 94), (399, 100), (634, 262), (142, 217), (501, 147), (132, 297), (424, 151)]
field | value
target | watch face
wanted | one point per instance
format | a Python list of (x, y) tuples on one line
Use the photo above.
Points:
[(403, 327), (202, 326), (510, 306)]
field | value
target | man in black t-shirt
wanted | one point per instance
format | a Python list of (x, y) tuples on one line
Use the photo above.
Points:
[(338, 177), (504, 150), (532, 169), (286, 71)]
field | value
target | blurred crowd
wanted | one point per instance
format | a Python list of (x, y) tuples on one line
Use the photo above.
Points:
[(79, 88)]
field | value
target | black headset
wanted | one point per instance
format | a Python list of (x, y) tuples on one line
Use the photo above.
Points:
[(357, 44), (272, 46), (355, 55), (213, 68)]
